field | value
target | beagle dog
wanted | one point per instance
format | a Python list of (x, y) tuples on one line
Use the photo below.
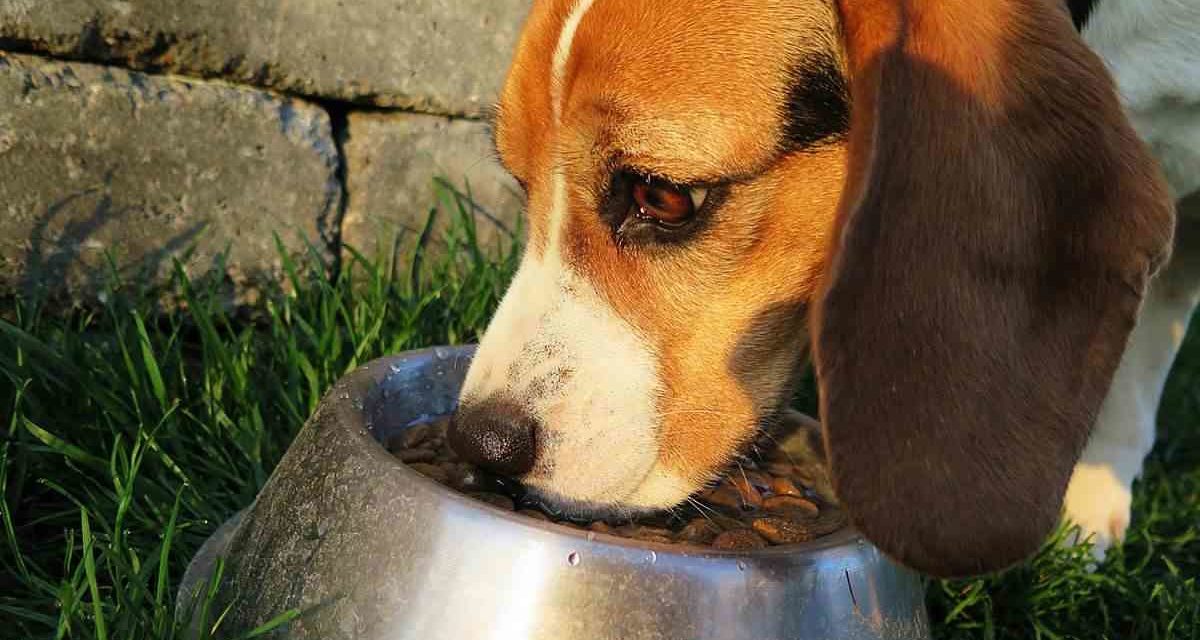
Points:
[(948, 206)]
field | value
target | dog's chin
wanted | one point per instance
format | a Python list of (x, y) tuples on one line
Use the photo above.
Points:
[(659, 490), (565, 507)]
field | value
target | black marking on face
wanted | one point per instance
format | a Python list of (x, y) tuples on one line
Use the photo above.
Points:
[(777, 331), (1081, 10), (818, 108), (550, 384)]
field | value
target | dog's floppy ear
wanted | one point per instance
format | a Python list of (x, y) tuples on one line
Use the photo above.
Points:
[(1000, 224)]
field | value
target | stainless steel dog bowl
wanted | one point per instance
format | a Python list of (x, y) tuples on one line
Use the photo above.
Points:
[(365, 548)]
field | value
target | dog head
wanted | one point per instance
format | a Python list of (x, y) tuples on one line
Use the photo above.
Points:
[(940, 200)]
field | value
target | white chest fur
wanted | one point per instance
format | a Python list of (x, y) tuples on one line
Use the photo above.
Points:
[(1152, 48)]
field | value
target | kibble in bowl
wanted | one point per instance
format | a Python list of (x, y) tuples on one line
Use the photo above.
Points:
[(778, 498)]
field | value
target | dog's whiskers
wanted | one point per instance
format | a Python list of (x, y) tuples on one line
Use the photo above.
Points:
[(742, 470), (702, 509)]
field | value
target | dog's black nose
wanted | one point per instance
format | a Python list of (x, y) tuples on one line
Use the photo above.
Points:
[(497, 435)]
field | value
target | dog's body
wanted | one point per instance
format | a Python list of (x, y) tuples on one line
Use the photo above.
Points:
[(1152, 48), (964, 252)]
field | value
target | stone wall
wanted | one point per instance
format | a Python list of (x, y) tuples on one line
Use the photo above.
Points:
[(149, 130)]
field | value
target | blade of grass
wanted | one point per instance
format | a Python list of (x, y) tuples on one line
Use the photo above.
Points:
[(272, 624), (162, 619), (151, 364), (89, 565), (63, 447)]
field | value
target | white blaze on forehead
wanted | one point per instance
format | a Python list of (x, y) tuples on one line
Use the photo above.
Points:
[(539, 285), (559, 349), (562, 54), (558, 218), (558, 73)]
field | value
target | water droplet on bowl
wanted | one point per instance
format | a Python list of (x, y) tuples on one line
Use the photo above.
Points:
[(741, 565), (653, 557), (573, 559)]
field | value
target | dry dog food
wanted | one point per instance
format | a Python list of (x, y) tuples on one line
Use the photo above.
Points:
[(772, 501)]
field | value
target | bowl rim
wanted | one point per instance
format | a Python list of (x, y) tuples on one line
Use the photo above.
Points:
[(843, 537)]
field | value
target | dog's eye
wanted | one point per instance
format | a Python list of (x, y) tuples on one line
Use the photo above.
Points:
[(647, 211), (666, 203)]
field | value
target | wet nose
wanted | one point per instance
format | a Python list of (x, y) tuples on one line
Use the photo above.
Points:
[(497, 435)]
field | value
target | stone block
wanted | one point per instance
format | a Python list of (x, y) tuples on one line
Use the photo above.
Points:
[(97, 160), (403, 166), (443, 56)]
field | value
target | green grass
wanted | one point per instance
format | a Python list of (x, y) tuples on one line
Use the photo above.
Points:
[(129, 434), (1146, 589)]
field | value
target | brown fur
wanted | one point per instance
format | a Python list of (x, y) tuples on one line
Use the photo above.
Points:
[(637, 92), (999, 226), (997, 223)]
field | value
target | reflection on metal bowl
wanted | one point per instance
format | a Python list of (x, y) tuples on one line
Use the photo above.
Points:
[(366, 548)]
